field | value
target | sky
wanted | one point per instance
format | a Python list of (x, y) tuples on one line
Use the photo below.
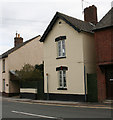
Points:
[(30, 18)]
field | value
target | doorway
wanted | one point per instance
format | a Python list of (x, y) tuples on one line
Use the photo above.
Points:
[(109, 82)]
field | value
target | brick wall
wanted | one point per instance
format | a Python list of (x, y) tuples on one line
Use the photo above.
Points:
[(104, 54), (101, 84), (104, 45)]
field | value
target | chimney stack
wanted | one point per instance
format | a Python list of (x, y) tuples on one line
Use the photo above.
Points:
[(18, 40), (90, 14)]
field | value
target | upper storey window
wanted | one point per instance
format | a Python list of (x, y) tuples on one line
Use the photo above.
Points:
[(3, 65), (61, 46)]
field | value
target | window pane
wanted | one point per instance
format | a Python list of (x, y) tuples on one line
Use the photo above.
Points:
[(59, 48), (63, 47), (60, 77), (64, 78)]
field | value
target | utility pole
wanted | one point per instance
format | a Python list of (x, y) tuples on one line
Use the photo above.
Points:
[(85, 84)]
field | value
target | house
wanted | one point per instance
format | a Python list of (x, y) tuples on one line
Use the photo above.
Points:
[(69, 55), (104, 56), (28, 52)]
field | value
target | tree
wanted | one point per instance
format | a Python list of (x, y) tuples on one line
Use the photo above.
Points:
[(29, 73)]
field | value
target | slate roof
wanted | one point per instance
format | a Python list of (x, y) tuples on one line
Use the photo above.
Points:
[(15, 48), (77, 24), (106, 21)]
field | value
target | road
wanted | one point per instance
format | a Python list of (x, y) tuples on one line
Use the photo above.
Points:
[(13, 109)]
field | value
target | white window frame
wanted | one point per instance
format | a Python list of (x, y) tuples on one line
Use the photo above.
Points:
[(62, 79), (61, 48)]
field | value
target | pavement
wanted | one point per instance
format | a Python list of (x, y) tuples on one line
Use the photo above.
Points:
[(105, 105)]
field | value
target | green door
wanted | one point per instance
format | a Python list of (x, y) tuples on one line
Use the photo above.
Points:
[(92, 87)]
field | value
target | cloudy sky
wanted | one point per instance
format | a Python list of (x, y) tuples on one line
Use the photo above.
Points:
[(31, 17)]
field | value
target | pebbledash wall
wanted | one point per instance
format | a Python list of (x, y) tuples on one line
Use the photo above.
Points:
[(80, 52), (30, 53)]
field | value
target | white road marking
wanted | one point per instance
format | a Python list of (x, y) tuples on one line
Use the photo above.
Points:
[(30, 114)]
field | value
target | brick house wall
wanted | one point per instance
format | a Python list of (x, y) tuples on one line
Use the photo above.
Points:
[(104, 57), (104, 45)]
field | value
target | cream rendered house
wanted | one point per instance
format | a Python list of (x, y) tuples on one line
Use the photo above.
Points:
[(69, 55), (28, 52)]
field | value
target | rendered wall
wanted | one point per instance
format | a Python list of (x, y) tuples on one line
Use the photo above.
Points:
[(74, 59)]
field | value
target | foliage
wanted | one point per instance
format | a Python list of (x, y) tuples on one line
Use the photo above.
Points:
[(30, 73), (41, 68)]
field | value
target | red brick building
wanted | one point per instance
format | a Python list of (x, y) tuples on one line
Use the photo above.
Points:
[(104, 54)]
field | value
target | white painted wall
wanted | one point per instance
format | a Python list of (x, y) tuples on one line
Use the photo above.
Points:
[(75, 56)]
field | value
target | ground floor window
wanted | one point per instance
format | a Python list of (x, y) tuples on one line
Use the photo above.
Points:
[(62, 79)]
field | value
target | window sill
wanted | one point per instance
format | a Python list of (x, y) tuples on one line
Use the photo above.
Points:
[(61, 88), (61, 57)]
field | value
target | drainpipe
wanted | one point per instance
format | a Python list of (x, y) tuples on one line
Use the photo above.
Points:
[(85, 83), (47, 87)]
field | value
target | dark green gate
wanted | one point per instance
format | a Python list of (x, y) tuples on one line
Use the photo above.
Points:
[(92, 88)]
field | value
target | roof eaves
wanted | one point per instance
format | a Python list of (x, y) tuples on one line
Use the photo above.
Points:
[(91, 32), (96, 29), (4, 55)]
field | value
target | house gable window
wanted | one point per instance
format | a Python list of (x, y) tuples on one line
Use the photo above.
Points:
[(61, 46), (3, 65), (62, 77)]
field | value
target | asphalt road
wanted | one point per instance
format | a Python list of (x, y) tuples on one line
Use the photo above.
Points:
[(11, 109)]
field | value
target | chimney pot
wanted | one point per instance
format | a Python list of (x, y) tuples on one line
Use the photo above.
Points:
[(18, 40), (18, 35)]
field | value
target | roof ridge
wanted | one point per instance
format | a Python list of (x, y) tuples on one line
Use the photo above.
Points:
[(75, 23), (72, 17)]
